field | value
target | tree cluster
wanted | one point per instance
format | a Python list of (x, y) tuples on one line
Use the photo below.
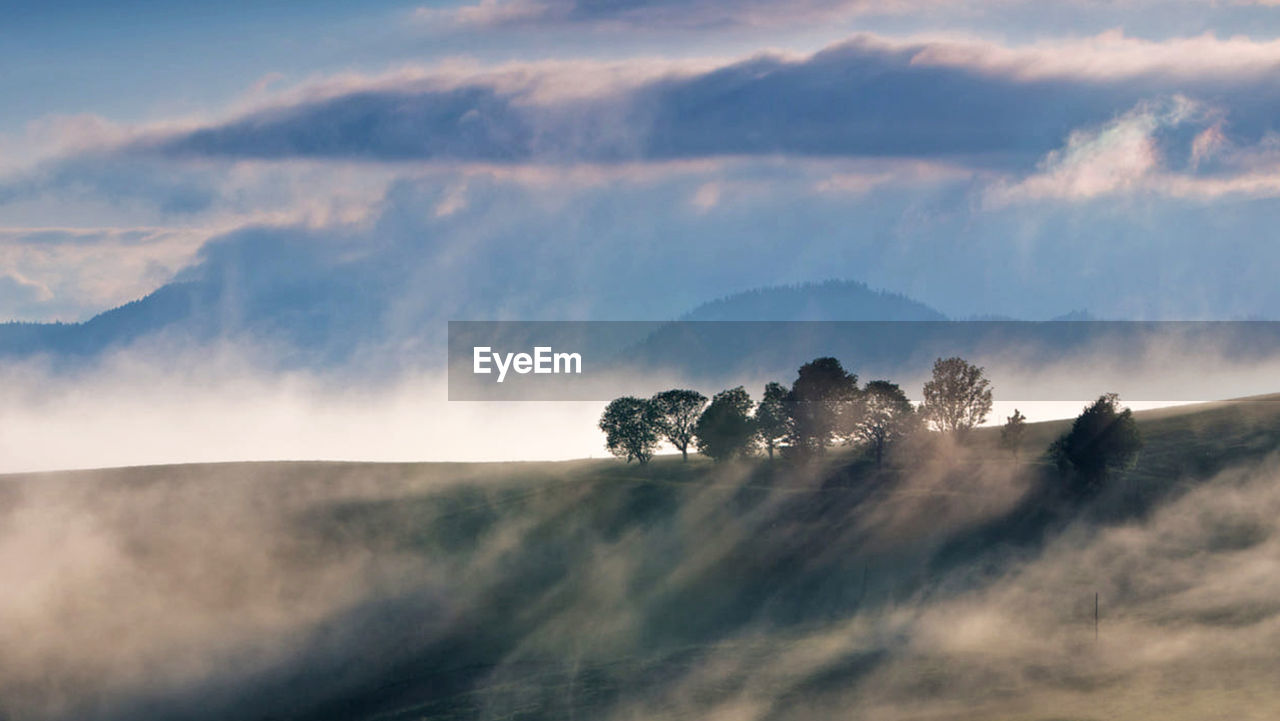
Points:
[(823, 406)]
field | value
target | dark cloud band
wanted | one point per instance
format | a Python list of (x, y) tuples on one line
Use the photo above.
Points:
[(862, 98)]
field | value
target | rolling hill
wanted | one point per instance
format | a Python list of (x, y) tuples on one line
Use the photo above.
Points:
[(832, 300), (954, 584)]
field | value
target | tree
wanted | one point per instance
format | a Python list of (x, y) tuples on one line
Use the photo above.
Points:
[(886, 415), (772, 421), (1011, 433), (821, 404), (1103, 439), (630, 427), (726, 428), (958, 397), (677, 411)]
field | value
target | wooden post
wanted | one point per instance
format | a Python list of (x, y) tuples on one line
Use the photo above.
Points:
[(1095, 616)]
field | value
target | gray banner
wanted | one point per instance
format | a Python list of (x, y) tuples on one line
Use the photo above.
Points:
[(1032, 361)]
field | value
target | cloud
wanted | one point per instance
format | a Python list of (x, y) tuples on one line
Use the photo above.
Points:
[(866, 156), (1113, 55), (706, 197), (668, 14), (1148, 150), (867, 96), (906, 173), (720, 19), (372, 290), (18, 291), (1117, 157), (475, 123), (1207, 144), (71, 274), (970, 106)]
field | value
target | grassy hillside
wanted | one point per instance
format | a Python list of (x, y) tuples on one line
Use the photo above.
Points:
[(952, 584)]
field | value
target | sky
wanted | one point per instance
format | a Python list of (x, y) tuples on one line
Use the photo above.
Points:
[(364, 173), (1019, 158)]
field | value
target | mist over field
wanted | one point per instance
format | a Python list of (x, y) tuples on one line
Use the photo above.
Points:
[(146, 415), (158, 402), (955, 588)]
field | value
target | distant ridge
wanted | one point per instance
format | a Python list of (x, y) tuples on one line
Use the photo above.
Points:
[(830, 300), (1079, 316), (313, 323), (328, 324), (166, 306)]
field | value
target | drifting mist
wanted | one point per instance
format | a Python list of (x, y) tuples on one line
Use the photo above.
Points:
[(950, 588)]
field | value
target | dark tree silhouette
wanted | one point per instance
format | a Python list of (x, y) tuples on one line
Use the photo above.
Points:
[(677, 411), (886, 415), (773, 424), (958, 397), (1102, 440), (726, 428), (630, 427), (822, 405), (1011, 434)]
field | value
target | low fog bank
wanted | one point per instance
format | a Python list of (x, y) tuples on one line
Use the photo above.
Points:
[(155, 405), (216, 405), (953, 584)]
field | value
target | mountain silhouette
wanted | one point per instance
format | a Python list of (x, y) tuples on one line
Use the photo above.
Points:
[(828, 300), (327, 319)]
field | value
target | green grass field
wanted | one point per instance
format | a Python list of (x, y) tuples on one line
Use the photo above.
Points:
[(951, 584)]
